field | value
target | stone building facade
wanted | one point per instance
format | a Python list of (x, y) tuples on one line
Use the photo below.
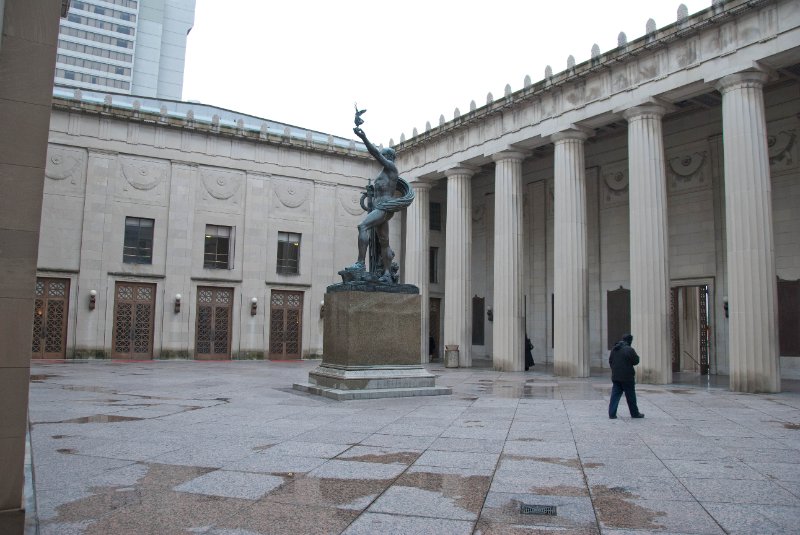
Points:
[(195, 233), (650, 189)]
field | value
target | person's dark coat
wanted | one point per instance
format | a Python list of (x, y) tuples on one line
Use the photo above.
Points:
[(622, 360), (528, 354)]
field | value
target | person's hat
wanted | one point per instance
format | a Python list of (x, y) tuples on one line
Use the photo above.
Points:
[(628, 338)]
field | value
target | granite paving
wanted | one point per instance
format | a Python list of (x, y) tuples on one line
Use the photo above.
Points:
[(229, 448)]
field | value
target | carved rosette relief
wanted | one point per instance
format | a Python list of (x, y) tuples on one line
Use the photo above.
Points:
[(782, 146), (349, 201), (614, 184), (65, 165), (292, 196), (688, 172), (221, 185), (143, 175)]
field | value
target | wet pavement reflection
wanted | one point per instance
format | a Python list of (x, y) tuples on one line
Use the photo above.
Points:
[(228, 448)]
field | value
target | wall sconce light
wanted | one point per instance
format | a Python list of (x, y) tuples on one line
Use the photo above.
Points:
[(490, 314), (725, 305), (92, 299), (177, 303), (322, 309), (253, 306)]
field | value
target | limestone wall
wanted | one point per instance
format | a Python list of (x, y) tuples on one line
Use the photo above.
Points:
[(101, 170)]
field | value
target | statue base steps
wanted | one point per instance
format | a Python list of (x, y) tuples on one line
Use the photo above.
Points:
[(371, 382), (371, 348)]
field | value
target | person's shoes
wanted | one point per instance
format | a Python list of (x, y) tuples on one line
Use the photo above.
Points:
[(612, 417), (640, 415), (526, 368)]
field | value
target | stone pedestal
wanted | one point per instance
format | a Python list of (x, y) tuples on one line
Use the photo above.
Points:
[(370, 347)]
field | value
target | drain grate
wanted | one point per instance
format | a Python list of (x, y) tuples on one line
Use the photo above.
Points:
[(549, 510)]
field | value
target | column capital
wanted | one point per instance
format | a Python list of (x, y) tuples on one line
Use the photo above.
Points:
[(742, 79), (461, 170), (656, 111), (508, 155), (570, 134), (420, 185)]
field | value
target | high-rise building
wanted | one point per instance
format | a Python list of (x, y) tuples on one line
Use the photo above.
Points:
[(126, 46)]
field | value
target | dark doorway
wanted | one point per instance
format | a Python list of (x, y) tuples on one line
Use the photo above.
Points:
[(51, 304), (285, 325), (434, 327), (134, 307), (690, 329), (213, 329)]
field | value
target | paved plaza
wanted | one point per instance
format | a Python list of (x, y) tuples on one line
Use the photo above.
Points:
[(228, 448)]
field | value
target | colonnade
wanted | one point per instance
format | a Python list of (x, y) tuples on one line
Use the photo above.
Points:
[(752, 289)]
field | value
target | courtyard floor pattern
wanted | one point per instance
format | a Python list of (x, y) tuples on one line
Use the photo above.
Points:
[(228, 448)]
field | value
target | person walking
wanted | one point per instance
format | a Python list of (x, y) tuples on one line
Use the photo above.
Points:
[(622, 360)]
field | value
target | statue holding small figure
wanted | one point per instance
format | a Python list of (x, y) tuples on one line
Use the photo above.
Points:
[(381, 206)]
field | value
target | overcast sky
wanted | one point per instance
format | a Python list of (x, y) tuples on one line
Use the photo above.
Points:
[(305, 62)]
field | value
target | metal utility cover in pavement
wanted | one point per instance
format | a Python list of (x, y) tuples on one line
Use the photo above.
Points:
[(549, 510)]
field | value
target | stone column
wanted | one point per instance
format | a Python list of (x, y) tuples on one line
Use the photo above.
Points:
[(649, 233), (509, 330), (570, 257), (458, 264), (29, 31), (417, 257), (752, 287)]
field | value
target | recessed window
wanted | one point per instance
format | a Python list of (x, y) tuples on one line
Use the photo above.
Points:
[(218, 252), (434, 265), (288, 253), (436, 216), (138, 246)]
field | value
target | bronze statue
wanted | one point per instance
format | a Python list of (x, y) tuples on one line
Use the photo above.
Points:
[(381, 206)]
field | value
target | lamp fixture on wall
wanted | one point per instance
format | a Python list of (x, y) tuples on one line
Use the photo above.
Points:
[(725, 305), (322, 309), (490, 314), (177, 303), (92, 299), (253, 306)]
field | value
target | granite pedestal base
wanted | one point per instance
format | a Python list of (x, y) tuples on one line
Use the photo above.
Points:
[(371, 347)]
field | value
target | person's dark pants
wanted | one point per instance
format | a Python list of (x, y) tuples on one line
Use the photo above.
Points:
[(629, 389)]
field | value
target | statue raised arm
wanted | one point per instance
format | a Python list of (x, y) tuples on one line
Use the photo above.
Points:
[(384, 205)]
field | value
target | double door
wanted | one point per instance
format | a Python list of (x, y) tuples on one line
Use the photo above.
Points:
[(50, 310), (134, 311), (213, 329), (285, 325)]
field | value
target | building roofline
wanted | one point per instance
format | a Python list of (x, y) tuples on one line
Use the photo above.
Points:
[(659, 38), (200, 117)]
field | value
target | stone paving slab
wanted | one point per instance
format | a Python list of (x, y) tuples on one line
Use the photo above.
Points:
[(228, 448)]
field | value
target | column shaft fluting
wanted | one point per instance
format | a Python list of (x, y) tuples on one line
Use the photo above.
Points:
[(752, 286), (417, 258), (570, 257), (458, 264), (508, 329), (649, 244)]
